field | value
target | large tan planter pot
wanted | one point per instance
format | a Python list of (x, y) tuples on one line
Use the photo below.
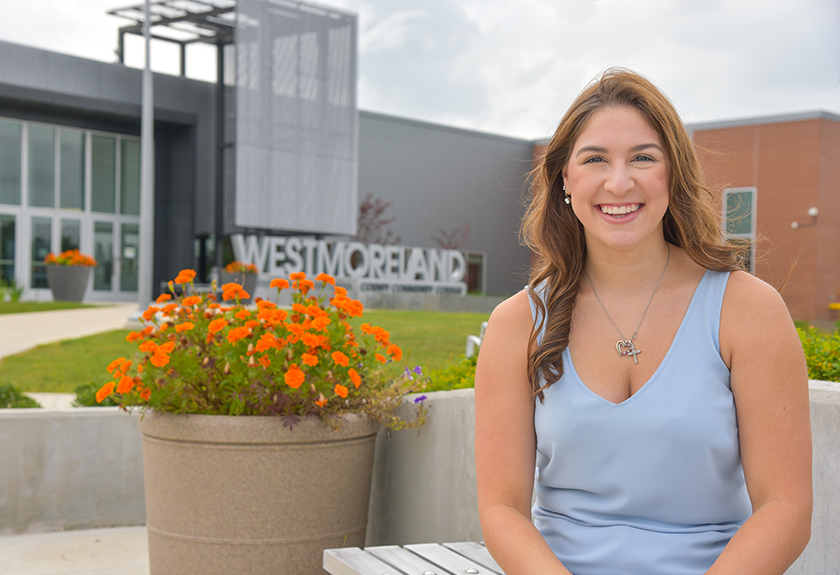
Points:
[(240, 494)]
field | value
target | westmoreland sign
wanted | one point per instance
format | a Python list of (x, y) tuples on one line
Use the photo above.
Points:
[(373, 267)]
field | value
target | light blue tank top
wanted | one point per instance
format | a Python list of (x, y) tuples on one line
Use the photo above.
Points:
[(652, 485)]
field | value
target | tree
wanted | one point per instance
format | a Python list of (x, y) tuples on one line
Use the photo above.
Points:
[(372, 222), (455, 239)]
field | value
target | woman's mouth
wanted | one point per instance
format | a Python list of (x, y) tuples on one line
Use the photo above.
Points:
[(619, 211)]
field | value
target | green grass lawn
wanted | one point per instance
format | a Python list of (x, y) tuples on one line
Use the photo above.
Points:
[(430, 340), (28, 306)]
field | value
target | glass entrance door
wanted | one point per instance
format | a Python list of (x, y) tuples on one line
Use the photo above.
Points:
[(129, 243)]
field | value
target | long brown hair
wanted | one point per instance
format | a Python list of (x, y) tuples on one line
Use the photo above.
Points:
[(556, 236)]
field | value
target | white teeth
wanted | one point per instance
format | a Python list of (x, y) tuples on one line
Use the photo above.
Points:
[(619, 210)]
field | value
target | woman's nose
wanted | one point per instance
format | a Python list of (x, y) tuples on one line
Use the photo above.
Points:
[(619, 181)]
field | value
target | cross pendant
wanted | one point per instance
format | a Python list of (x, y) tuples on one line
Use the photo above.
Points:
[(631, 349)]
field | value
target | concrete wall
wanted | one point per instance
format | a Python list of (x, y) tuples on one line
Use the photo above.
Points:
[(82, 468)]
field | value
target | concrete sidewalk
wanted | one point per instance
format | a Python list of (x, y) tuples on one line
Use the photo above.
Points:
[(114, 551), (22, 331)]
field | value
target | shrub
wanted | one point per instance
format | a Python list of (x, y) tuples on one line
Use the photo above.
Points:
[(822, 352), (460, 375), (11, 396), (86, 396)]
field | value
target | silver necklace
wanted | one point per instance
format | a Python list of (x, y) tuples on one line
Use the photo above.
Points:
[(625, 346)]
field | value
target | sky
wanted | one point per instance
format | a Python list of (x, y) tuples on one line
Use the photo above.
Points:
[(513, 68)]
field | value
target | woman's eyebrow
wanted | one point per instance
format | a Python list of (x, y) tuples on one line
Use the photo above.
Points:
[(600, 150)]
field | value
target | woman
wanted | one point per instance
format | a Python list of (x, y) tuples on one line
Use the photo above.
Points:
[(618, 372)]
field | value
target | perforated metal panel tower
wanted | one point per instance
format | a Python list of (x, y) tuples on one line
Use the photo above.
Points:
[(296, 118)]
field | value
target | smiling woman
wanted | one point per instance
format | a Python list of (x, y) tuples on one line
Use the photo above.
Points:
[(642, 466)]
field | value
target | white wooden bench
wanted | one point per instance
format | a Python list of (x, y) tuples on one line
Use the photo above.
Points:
[(467, 558), (474, 341)]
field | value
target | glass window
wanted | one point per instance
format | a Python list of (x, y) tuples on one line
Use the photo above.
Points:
[(41, 166), (739, 212), (130, 177), (103, 253), (72, 170), (71, 232), (128, 257), (104, 178), (7, 247), (10, 163), (41, 241)]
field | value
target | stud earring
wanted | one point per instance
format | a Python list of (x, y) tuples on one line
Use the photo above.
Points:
[(566, 197)]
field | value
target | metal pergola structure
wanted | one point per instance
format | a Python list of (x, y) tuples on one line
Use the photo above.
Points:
[(186, 22), (180, 22)]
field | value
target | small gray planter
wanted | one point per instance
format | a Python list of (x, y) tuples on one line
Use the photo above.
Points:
[(68, 283), (247, 281)]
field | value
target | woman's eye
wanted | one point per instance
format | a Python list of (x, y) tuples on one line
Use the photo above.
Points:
[(644, 158), (594, 160)]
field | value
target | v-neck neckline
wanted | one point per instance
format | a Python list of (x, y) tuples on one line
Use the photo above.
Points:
[(568, 364)]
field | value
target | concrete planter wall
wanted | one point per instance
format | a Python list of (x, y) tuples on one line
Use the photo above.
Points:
[(82, 468), (68, 283)]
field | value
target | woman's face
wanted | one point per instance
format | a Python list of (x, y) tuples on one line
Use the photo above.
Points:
[(618, 177)]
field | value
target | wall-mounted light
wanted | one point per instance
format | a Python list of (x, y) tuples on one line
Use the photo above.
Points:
[(813, 212)]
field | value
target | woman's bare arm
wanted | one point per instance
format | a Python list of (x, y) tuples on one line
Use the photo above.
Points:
[(505, 444), (770, 386)]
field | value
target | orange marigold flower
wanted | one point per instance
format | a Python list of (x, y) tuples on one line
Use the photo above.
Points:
[(167, 347), (297, 276), (186, 326), (163, 297), (354, 308), (380, 358), (252, 324), (159, 359), (354, 377), (169, 308), (310, 339), (320, 323), (296, 328), (191, 300), (264, 361), (115, 364), (339, 291), (133, 336), (265, 304), (298, 307), (125, 385), (294, 377), (145, 394), (340, 359), (340, 390), (125, 366), (104, 391), (278, 283), (242, 314), (321, 401), (266, 342), (216, 326), (231, 286), (150, 313), (309, 359), (326, 279), (237, 333), (306, 285), (394, 352), (185, 277), (148, 346)]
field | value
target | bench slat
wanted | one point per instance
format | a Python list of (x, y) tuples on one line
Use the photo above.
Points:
[(448, 559), (477, 552), (405, 560), (354, 561)]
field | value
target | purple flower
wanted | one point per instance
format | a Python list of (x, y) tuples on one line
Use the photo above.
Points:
[(417, 370), (420, 399)]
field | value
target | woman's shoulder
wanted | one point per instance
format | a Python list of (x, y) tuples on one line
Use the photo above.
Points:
[(514, 311)]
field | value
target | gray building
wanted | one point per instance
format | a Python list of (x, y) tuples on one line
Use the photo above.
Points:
[(69, 177)]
